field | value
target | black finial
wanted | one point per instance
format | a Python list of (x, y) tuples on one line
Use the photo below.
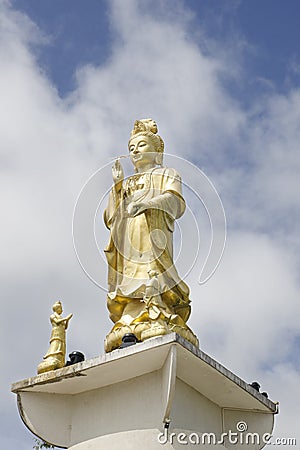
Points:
[(255, 385), (128, 339), (75, 357)]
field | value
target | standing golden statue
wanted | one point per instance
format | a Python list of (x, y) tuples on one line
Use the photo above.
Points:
[(55, 357), (146, 296)]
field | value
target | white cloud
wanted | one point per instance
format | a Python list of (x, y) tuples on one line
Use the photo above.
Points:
[(247, 314), (258, 285)]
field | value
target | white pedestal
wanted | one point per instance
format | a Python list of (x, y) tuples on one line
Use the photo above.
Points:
[(124, 399)]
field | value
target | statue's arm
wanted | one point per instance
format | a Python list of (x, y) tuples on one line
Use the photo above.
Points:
[(169, 199), (173, 192), (169, 202), (67, 320), (115, 193), (110, 209), (58, 320)]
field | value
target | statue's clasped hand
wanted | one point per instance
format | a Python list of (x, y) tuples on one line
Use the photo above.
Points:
[(134, 209)]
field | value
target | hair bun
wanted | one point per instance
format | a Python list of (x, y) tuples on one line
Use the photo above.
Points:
[(144, 125)]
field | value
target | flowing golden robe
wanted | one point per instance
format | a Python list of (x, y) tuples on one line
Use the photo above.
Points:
[(138, 244), (58, 338)]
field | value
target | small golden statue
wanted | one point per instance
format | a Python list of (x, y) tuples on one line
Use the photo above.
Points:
[(146, 296), (55, 357)]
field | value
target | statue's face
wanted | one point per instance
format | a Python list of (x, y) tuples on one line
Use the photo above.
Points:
[(142, 152), (58, 309)]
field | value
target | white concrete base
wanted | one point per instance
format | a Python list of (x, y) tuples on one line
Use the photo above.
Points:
[(140, 439), (123, 400)]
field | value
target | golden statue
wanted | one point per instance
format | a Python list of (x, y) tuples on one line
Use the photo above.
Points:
[(55, 357), (146, 296)]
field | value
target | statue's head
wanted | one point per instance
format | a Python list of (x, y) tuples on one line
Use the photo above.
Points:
[(148, 128), (57, 307)]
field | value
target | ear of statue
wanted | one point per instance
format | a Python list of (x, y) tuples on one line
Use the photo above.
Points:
[(159, 159)]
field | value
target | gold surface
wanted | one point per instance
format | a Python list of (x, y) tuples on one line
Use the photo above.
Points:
[(146, 296), (55, 356)]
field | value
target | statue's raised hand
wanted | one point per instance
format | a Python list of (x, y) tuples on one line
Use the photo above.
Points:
[(117, 174)]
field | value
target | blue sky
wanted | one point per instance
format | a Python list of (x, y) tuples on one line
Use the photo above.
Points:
[(268, 31), (73, 32), (221, 78)]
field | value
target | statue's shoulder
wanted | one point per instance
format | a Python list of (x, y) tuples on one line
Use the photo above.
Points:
[(52, 318), (167, 172)]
